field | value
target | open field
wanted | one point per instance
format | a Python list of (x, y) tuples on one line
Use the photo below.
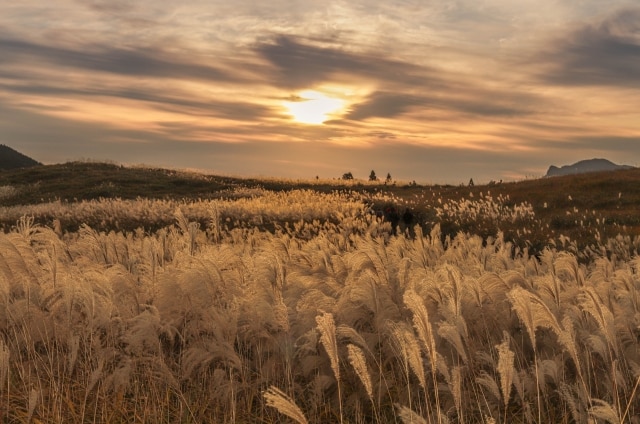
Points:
[(135, 295)]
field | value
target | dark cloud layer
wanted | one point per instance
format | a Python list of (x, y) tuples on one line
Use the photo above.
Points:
[(181, 104), (140, 61), (300, 65), (603, 54), (385, 104)]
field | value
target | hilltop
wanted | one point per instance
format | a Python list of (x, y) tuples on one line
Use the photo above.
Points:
[(585, 166), (12, 159)]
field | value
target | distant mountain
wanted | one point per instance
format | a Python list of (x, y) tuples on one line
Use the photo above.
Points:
[(11, 159), (590, 165)]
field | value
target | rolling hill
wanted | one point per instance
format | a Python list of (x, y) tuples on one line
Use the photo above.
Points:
[(573, 205)]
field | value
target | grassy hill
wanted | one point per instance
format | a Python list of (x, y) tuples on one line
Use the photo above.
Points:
[(571, 205), (11, 159)]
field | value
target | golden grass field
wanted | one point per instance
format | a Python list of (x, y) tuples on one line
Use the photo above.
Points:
[(261, 305)]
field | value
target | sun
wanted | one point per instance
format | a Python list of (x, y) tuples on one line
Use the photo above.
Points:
[(313, 107)]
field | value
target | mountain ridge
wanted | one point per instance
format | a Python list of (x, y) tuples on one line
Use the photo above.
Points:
[(584, 166)]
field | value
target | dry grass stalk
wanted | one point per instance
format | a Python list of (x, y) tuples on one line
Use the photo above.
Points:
[(276, 398), (4, 364)]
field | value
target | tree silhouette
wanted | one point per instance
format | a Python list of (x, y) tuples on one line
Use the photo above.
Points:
[(372, 176), (388, 180), (347, 176)]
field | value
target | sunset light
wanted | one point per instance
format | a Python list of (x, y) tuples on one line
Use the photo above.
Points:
[(313, 107), (434, 91)]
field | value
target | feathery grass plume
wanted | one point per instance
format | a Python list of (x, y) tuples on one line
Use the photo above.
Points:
[(359, 364), (505, 368), (327, 328), (603, 411), (34, 397), (567, 263), (408, 416), (451, 333), (488, 381), (524, 304), (455, 385), (591, 303), (408, 349), (532, 312), (578, 413), (276, 398), (422, 325)]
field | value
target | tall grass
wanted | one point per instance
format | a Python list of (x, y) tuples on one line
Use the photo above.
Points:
[(322, 321)]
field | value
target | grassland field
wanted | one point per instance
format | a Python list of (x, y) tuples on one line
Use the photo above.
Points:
[(131, 294)]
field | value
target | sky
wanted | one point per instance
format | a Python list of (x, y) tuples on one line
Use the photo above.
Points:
[(436, 91)]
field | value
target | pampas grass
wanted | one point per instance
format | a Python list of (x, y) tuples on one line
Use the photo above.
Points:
[(505, 370), (327, 328), (196, 323), (276, 398)]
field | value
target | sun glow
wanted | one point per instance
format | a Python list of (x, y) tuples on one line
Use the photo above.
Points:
[(313, 107)]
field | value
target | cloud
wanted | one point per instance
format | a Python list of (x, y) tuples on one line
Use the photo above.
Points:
[(620, 146), (181, 103), (468, 98), (384, 104), (299, 65), (605, 54), (135, 61)]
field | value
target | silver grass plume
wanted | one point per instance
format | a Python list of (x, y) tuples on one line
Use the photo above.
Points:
[(532, 312), (592, 304), (327, 328), (505, 368), (359, 364), (455, 385), (34, 397), (409, 416), (567, 393), (486, 380), (276, 398), (603, 411), (451, 333), (422, 325), (406, 345)]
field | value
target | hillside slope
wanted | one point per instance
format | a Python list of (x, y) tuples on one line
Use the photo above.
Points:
[(574, 206), (12, 159)]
